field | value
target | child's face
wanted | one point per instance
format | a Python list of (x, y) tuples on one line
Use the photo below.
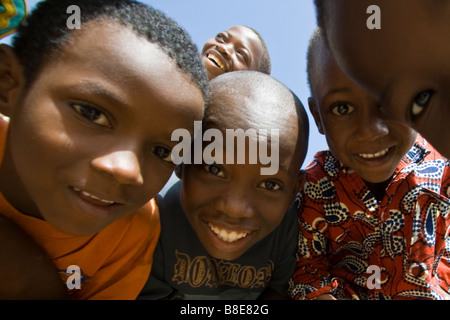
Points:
[(357, 132), (91, 139), (405, 64), (232, 206), (235, 49)]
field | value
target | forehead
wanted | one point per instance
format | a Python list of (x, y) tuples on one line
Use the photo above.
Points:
[(110, 53), (372, 56), (263, 114), (247, 37), (106, 38)]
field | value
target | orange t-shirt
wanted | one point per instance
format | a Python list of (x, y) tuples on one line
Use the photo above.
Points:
[(115, 262)]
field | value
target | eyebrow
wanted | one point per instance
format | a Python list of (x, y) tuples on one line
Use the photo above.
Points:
[(91, 87), (336, 90), (240, 42)]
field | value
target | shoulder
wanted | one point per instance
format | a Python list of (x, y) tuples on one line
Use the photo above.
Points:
[(323, 165), (173, 194), (144, 221), (320, 176), (423, 151), (430, 163), (287, 230), (170, 203)]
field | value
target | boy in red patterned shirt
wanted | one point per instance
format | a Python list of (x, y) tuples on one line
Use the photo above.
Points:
[(374, 211)]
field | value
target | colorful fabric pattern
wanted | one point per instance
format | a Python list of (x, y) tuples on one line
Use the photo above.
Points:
[(12, 13), (355, 247)]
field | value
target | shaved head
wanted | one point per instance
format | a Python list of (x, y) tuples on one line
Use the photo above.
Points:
[(250, 99)]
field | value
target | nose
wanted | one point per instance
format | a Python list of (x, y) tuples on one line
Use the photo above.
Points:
[(372, 126), (225, 48), (235, 204), (122, 165)]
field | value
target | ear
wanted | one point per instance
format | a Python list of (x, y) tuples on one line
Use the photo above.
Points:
[(11, 79), (313, 109)]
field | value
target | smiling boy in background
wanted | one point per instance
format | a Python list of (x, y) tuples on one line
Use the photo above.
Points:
[(236, 49)]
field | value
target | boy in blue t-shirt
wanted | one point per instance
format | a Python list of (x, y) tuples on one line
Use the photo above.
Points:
[(226, 231)]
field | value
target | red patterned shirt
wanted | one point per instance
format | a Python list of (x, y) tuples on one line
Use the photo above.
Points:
[(355, 247)]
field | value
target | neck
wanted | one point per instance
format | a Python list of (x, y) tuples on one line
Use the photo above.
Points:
[(12, 187), (378, 189)]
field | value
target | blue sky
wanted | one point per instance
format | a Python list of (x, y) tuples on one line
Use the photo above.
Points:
[(285, 25)]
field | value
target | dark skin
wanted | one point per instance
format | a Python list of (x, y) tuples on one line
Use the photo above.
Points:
[(357, 133), (235, 49), (18, 250), (94, 157), (405, 64), (236, 197), (25, 257)]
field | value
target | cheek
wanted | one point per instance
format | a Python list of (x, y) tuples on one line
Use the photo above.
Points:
[(157, 174), (365, 66), (240, 66), (208, 44), (192, 196), (39, 145), (337, 146), (272, 213)]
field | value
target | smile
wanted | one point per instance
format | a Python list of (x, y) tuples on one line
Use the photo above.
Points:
[(91, 196), (215, 60), (228, 236), (373, 155)]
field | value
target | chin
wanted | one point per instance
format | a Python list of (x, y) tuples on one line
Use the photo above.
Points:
[(225, 256)]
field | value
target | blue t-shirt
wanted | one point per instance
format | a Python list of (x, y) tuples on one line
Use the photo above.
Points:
[(182, 268)]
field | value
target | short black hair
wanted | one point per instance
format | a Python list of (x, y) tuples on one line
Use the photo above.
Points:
[(311, 60), (45, 32), (266, 65), (319, 12)]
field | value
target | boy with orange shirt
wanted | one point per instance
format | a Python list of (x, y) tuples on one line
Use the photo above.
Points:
[(80, 162)]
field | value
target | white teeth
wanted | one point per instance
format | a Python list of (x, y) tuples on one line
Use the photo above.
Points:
[(227, 236), (217, 61), (373, 155), (87, 194)]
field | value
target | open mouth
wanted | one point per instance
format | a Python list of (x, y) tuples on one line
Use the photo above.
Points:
[(372, 156), (226, 235), (216, 61)]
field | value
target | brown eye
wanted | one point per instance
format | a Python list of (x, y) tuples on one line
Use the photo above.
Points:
[(162, 153), (220, 37), (342, 109), (270, 185), (92, 114), (214, 170), (420, 102)]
